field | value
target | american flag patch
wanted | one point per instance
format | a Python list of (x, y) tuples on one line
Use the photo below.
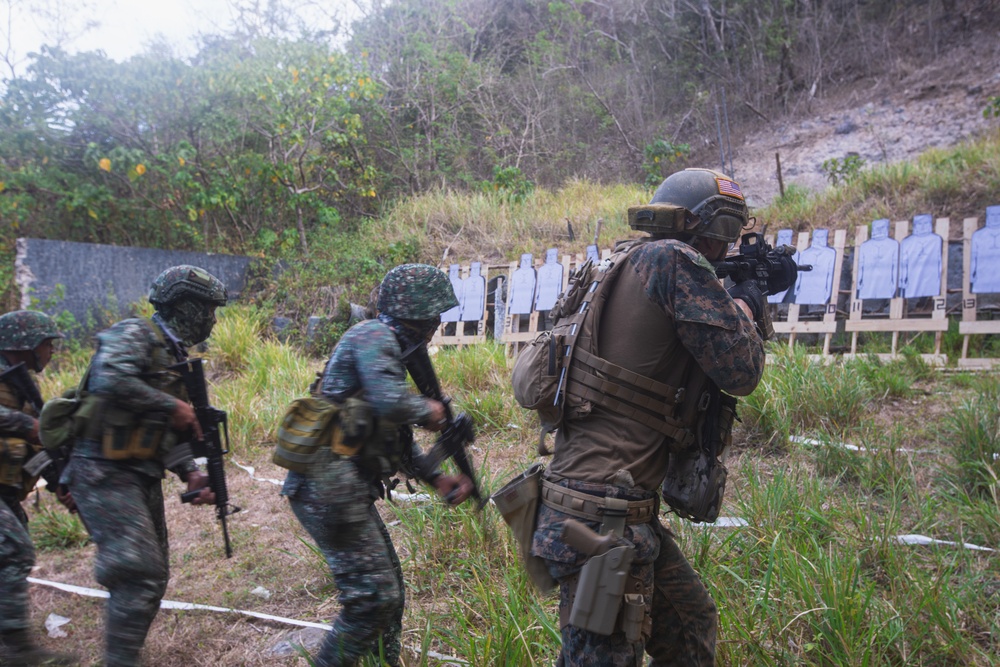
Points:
[(728, 187)]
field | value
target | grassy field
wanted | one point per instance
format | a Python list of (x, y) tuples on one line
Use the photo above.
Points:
[(817, 576)]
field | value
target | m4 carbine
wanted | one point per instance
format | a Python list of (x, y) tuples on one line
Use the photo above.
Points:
[(773, 269), (458, 432), (211, 445)]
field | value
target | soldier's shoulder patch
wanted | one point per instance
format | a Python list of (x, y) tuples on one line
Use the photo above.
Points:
[(693, 256)]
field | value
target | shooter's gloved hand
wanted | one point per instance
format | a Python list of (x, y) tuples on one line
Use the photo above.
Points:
[(750, 294), (784, 270)]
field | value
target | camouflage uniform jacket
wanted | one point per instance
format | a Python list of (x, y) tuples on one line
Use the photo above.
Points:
[(124, 370), (666, 307), (367, 363)]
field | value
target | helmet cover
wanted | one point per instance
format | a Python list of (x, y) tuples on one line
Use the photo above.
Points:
[(24, 330), (185, 281), (416, 292)]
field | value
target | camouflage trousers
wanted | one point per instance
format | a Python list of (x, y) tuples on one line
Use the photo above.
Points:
[(683, 614), (369, 579), (123, 510), (17, 557)]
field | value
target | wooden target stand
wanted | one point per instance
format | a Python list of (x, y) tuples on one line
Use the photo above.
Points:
[(516, 330), (793, 325), (460, 338), (970, 325), (897, 320)]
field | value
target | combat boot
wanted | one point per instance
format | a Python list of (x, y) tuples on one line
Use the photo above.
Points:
[(17, 649)]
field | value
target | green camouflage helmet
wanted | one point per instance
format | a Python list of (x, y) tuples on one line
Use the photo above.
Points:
[(182, 281), (24, 330), (700, 202), (416, 292)]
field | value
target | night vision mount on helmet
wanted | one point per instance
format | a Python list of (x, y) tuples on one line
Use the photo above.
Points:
[(699, 202), (179, 282)]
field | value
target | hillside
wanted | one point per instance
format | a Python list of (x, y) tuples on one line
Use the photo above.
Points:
[(888, 118)]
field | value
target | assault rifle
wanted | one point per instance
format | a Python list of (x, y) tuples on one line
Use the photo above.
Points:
[(211, 445), (459, 431), (192, 372), (757, 260), (773, 269)]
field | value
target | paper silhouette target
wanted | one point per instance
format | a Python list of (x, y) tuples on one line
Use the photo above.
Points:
[(455, 313), (878, 264), (522, 288), (550, 281), (815, 287), (473, 299), (920, 260), (985, 267)]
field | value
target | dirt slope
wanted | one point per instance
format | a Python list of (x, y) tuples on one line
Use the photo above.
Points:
[(888, 120)]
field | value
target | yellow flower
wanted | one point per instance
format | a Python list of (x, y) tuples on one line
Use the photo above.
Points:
[(180, 161), (140, 169), (104, 164)]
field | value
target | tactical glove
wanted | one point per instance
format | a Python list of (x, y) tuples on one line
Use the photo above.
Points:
[(784, 270), (752, 296)]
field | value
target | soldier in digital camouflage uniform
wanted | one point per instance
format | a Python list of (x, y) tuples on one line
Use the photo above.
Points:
[(666, 310), (142, 426), (27, 337), (334, 500)]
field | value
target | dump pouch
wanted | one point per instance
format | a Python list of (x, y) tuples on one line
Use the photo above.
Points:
[(13, 454), (695, 481), (518, 504), (308, 425)]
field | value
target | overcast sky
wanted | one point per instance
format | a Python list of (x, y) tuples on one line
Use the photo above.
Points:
[(122, 28)]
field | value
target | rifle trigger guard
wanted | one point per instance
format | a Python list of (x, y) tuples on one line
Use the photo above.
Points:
[(703, 403)]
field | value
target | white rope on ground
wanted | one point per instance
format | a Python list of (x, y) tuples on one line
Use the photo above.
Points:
[(171, 604), (190, 606)]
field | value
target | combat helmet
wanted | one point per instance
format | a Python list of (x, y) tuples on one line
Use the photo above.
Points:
[(24, 330), (699, 202), (416, 292), (182, 281)]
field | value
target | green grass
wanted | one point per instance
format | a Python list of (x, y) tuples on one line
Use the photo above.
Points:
[(55, 528)]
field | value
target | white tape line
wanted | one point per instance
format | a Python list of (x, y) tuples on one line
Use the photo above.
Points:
[(923, 539), (728, 522), (798, 439), (251, 470), (170, 604)]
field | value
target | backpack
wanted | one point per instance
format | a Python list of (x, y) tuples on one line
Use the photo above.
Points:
[(540, 375)]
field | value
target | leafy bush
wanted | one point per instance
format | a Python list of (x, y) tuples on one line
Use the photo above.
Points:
[(843, 170), (659, 156)]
